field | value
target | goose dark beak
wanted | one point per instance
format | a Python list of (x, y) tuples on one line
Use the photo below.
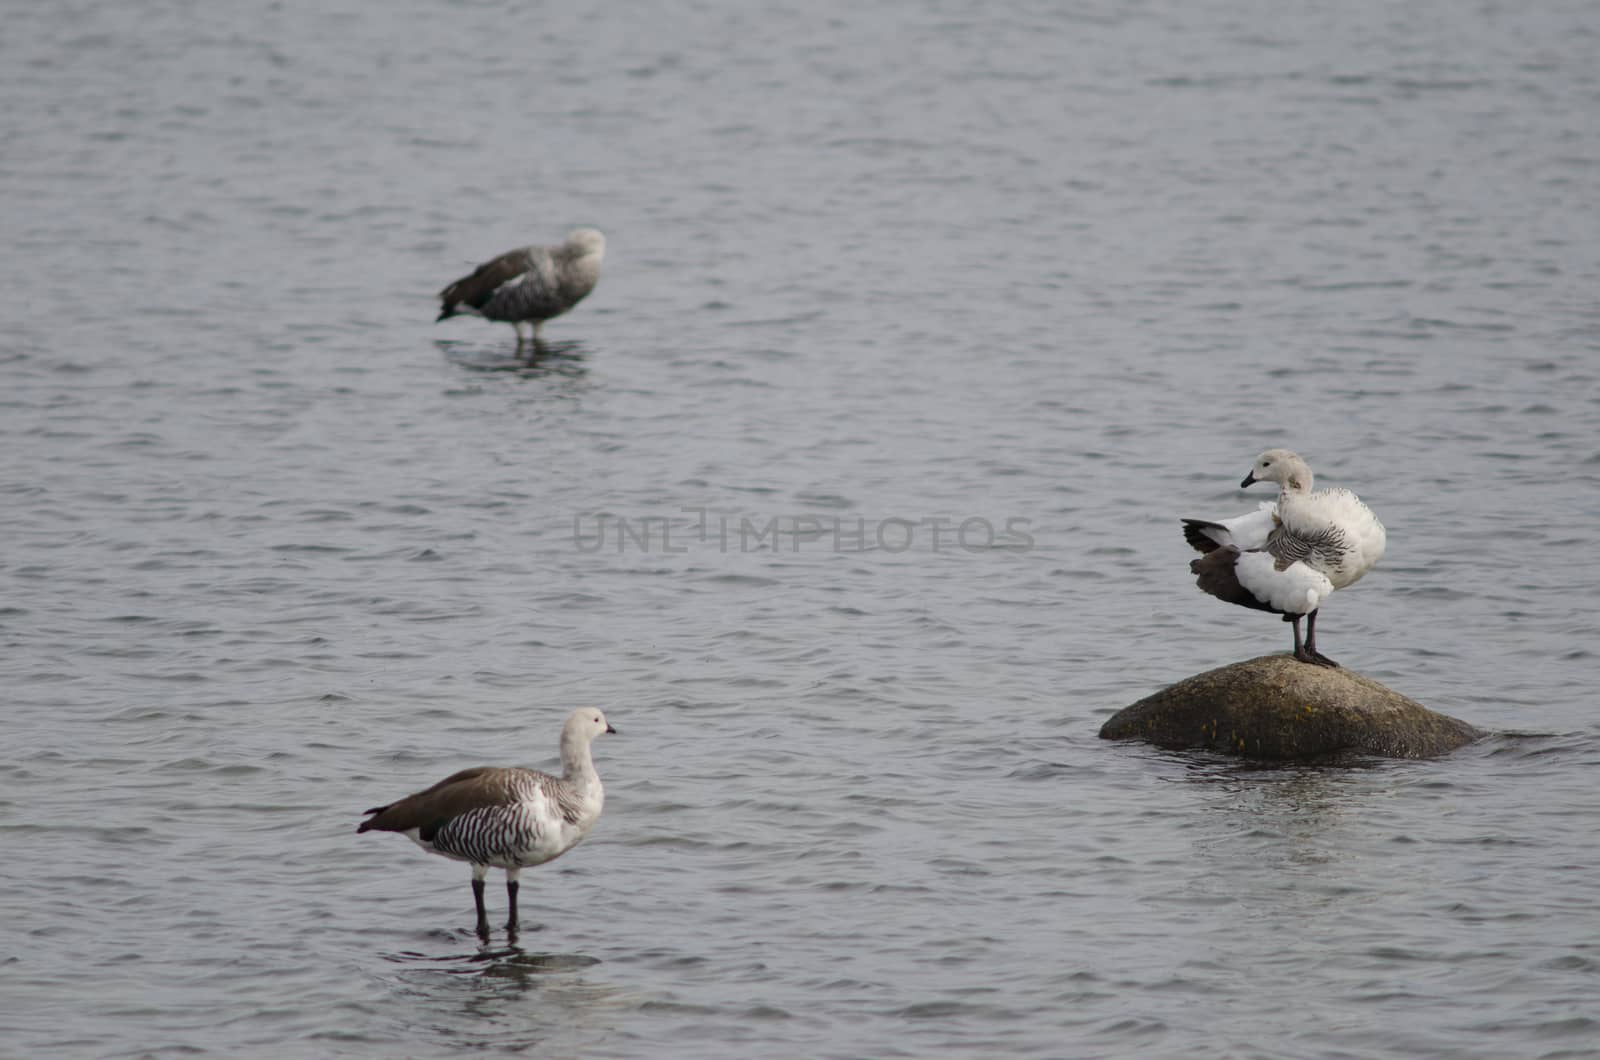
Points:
[(610, 729), (1248, 480)]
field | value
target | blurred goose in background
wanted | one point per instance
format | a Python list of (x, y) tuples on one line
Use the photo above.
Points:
[(530, 284)]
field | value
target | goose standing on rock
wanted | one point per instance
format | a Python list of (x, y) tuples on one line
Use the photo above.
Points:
[(505, 818), (1287, 557), (529, 284)]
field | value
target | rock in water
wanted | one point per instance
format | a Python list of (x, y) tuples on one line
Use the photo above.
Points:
[(1275, 706)]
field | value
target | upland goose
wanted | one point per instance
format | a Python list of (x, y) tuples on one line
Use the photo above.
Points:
[(529, 284), (505, 818), (1288, 556)]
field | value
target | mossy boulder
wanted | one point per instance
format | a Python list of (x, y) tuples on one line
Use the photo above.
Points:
[(1275, 706)]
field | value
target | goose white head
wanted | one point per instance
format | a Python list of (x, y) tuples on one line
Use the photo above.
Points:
[(582, 726), (585, 724), (1291, 473), (584, 242)]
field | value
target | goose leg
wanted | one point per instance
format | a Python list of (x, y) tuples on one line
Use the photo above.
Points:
[(511, 898), (1308, 652), (1311, 644), (478, 873)]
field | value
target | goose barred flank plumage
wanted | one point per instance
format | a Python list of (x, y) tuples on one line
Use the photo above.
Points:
[(507, 818), (1323, 549), (500, 835), (489, 835)]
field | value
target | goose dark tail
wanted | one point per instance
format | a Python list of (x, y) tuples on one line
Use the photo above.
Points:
[(1198, 533)]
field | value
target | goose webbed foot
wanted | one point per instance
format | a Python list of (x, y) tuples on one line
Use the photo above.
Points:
[(1316, 658)]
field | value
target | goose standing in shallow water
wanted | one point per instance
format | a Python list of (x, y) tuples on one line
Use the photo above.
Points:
[(505, 818), (1287, 557), (529, 284)]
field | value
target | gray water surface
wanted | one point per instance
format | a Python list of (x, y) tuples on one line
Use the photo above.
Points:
[(851, 495)]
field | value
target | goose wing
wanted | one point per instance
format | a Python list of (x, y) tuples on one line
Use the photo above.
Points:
[(476, 290), (1244, 532), (435, 807)]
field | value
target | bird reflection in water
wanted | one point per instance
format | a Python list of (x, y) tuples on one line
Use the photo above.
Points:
[(503, 998), (1289, 813), (566, 360), (489, 959)]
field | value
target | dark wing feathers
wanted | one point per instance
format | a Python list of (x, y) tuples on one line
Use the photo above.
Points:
[(1214, 573), (478, 288), (1194, 532), (456, 794)]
